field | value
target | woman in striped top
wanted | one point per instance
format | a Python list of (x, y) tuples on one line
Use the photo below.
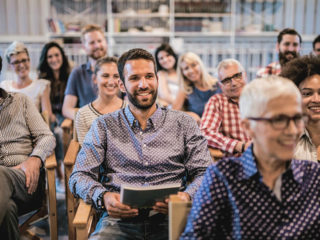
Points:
[(106, 77)]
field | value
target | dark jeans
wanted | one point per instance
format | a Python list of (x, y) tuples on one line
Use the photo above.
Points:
[(141, 227)]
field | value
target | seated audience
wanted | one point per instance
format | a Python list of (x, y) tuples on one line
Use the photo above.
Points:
[(38, 90), (166, 61), (305, 73), (316, 46), (141, 145), (54, 66), (221, 123), (196, 85), (106, 77), (288, 47), (25, 143), (263, 194), (81, 90)]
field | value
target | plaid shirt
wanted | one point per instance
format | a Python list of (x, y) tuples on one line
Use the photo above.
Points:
[(233, 202), (220, 124), (272, 69)]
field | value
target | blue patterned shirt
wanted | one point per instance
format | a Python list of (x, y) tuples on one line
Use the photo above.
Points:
[(234, 203), (117, 151)]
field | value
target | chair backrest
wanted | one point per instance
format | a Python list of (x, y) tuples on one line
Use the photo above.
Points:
[(178, 214)]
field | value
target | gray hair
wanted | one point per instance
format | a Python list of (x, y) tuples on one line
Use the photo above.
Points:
[(256, 95), (15, 48), (227, 63)]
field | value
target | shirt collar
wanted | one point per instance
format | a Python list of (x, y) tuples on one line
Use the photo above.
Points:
[(154, 120), (248, 162), (3, 95), (250, 167), (88, 67), (305, 135)]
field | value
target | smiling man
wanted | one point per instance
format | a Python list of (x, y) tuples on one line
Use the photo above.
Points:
[(305, 73), (265, 193), (81, 89), (288, 47), (220, 122), (140, 145)]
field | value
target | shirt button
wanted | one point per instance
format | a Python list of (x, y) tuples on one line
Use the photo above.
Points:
[(146, 163), (144, 145), (140, 133)]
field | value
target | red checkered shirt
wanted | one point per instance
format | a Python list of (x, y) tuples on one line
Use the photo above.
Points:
[(220, 124), (272, 69)]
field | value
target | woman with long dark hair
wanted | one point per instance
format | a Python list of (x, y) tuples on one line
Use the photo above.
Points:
[(54, 66)]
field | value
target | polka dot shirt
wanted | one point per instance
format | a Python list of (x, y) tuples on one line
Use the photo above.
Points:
[(117, 151), (234, 203)]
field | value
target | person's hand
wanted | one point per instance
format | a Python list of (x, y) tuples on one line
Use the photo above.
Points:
[(184, 196), (115, 208), (31, 168), (162, 207)]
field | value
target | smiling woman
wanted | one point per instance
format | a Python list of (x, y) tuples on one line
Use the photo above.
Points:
[(38, 90), (106, 77), (305, 73)]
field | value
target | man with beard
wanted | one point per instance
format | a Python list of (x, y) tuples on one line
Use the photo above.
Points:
[(316, 46), (220, 122), (142, 145), (288, 47), (81, 89)]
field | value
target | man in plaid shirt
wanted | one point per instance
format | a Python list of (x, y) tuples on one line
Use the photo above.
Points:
[(220, 122), (288, 47)]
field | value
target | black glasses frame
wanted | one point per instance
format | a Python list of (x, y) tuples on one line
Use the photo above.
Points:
[(281, 122), (228, 80)]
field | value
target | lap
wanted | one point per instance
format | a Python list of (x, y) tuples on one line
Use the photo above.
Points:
[(155, 228)]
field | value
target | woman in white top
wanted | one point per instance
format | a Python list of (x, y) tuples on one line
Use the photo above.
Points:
[(38, 90), (166, 61), (106, 77)]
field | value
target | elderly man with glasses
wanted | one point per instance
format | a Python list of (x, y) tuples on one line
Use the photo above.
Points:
[(265, 193), (220, 122)]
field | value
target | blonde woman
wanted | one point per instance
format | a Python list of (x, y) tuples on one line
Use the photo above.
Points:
[(106, 77), (38, 90), (196, 85)]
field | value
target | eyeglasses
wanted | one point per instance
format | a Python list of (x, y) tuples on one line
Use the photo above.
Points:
[(228, 80), (24, 61), (282, 121)]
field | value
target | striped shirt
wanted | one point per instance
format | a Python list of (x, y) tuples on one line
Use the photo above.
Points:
[(221, 124), (84, 119), (117, 147), (23, 132)]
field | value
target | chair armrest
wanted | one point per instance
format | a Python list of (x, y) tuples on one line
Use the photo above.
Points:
[(318, 154), (51, 162), (72, 153), (82, 215), (216, 154), (67, 124), (178, 214)]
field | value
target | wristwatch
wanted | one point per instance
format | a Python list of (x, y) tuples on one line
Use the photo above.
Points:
[(100, 202)]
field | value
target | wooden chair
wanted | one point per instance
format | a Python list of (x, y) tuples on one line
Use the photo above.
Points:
[(67, 130), (85, 213), (178, 214), (318, 154), (49, 206), (216, 154)]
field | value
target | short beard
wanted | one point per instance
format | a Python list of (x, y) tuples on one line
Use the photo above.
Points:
[(136, 103), (97, 58), (282, 57)]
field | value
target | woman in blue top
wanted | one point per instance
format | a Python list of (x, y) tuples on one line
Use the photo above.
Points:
[(196, 85)]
